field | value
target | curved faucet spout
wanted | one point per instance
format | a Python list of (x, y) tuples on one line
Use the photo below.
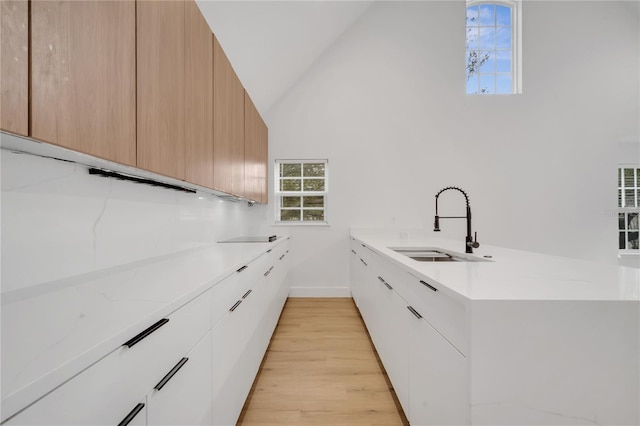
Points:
[(470, 243)]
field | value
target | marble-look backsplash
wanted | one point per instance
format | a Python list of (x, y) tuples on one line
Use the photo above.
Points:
[(58, 221)]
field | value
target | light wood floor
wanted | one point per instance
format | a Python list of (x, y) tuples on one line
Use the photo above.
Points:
[(321, 369)]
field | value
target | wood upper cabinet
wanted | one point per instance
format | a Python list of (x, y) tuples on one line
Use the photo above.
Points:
[(161, 87), (255, 152), (264, 145), (228, 125), (198, 97), (14, 66), (83, 84)]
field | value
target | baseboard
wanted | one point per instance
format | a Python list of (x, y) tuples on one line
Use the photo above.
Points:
[(319, 292)]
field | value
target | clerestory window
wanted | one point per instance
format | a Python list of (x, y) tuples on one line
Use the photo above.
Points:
[(493, 47)]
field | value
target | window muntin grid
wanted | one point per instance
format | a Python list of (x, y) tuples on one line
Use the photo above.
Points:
[(628, 207), (301, 191), (491, 47)]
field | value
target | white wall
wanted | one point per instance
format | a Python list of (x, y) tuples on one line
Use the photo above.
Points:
[(59, 222), (386, 105)]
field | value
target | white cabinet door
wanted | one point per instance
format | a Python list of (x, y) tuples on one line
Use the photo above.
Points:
[(183, 396), (437, 379), (394, 345), (354, 272), (231, 337)]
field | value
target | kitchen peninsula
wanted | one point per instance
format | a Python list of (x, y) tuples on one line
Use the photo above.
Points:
[(506, 337)]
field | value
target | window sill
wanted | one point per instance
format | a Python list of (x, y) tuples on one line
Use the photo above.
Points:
[(301, 224)]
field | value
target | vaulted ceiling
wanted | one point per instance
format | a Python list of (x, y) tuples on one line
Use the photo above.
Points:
[(272, 43)]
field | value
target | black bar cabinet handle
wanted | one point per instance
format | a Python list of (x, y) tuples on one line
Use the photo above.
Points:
[(414, 312), (387, 284), (131, 415), (269, 251), (244, 296), (428, 285), (365, 263), (381, 279), (136, 339), (282, 257), (268, 272), (353, 251), (235, 305), (171, 373), (242, 269)]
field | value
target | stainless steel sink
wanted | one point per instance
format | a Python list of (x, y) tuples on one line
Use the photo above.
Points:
[(435, 254)]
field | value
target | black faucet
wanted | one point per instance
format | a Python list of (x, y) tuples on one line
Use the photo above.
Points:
[(470, 243)]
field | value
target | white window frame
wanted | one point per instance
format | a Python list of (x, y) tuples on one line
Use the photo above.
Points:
[(278, 194), (516, 43), (624, 209)]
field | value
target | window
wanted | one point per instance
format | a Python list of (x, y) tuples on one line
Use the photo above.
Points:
[(628, 207), (493, 47), (301, 191)]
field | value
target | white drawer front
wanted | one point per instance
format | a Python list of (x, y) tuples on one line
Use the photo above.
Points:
[(108, 390), (186, 397), (446, 315)]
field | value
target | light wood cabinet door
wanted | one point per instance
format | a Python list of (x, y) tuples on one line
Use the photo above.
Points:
[(252, 151), (161, 87), (14, 66), (228, 125), (264, 146), (198, 97), (255, 153), (83, 84)]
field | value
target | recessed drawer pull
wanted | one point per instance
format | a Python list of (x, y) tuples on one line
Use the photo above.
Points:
[(171, 373), (242, 269), (282, 257), (131, 415), (414, 312), (244, 296), (428, 285), (146, 332), (235, 305), (365, 263)]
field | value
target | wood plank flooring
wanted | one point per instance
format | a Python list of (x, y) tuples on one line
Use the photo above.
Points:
[(321, 369)]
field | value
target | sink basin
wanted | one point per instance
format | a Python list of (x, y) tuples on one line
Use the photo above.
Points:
[(435, 254)]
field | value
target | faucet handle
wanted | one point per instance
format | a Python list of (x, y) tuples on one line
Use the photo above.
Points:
[(474, 243)]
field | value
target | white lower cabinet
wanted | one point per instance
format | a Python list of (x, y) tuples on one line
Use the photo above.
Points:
[(428, 374), (230, 340), (242, 336), (183, 395), (108, 391), (438, 378), (394, 347), (196, 366)]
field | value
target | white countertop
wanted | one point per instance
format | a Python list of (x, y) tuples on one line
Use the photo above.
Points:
[(53, 331), (511, 275)]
